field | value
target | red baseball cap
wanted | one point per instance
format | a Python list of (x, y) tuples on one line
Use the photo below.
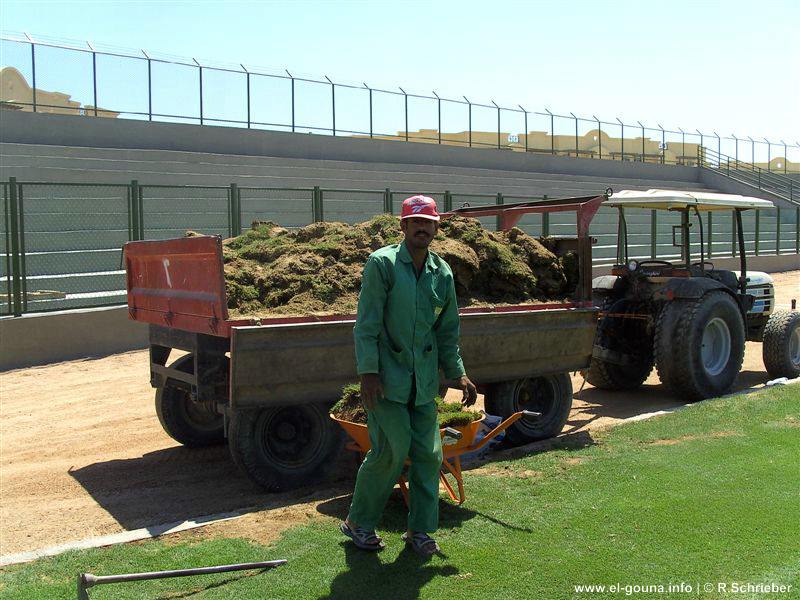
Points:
[(420, 206)]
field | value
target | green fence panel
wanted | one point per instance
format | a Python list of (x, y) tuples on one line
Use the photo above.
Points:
[(169, 212), (71, 245), (290, 208)]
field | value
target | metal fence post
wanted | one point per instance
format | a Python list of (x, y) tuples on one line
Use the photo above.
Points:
[(545, 221), (333, 104), (94, 77), (135, 212), (599, 139), (797, 230), (23, 270), (552, 135), (778, 232), (525, 112), (16, 269), (498, 123), (200, 70), (149, 87), (439, 116), (469, 116), (498, 220), (448, 201), (576, 134), (33, 72), (710, 233), (369, 89), (247, 77), (653, 234), (293, 105), (235, 210), (405, 105), (316, 208), (757, 233), (387, 201)]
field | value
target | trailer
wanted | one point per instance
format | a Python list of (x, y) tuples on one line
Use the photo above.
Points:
[(265, 384)]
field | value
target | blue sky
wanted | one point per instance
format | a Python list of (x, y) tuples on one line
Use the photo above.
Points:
[(725, 66)]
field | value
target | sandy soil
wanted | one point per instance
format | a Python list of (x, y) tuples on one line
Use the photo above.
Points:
[(82, 453)]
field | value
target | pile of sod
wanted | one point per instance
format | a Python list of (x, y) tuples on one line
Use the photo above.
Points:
[(351, 408), (314, 270)]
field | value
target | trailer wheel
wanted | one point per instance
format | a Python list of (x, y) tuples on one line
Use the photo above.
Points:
[(193, 424), (283, 447), (781, 345), (700, 345), (550, 395)]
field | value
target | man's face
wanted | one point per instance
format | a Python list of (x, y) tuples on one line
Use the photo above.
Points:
[(419, 232)]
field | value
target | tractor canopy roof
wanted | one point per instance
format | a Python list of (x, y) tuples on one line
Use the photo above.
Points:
[(678, 200)]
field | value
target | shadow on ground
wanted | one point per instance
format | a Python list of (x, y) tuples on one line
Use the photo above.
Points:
[(177, 484)]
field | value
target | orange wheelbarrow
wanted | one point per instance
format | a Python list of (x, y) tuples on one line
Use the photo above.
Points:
[(455, 442)]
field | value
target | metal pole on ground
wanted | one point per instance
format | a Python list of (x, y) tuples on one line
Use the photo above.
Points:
[(87, 580)]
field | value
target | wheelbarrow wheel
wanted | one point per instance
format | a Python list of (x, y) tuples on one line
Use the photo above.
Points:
[(550, 395), (283, 447)]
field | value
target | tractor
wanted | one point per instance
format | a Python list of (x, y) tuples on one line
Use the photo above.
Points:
[(688, 318)]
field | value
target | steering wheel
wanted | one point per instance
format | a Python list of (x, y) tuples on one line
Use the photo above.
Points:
[(703, 263), (662, 263)]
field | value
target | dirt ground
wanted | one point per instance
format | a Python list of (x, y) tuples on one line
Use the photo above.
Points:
[(82, 453)]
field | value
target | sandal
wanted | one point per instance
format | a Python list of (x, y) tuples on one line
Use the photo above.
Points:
[(422, 543), (363, 538)]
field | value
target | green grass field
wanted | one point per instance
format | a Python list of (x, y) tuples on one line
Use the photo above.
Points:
[(704, 496)]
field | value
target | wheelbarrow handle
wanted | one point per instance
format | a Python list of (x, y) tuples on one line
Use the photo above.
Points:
[(530, 413), (502, 427), (453, 433)]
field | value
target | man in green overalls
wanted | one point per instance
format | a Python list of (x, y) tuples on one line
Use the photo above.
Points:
[(406, 329)]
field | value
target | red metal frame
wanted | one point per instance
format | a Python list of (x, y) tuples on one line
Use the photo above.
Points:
[(510, 214), (180, 283)]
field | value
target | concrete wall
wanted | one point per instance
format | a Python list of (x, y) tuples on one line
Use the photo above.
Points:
[(52, 337), (66, 130), (43, 338)]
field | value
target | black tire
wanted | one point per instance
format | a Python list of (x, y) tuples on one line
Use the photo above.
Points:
[(632, 340), (699, 346), (611, 376), (781, 345), (193, 424), (550, 395), (283, 447)]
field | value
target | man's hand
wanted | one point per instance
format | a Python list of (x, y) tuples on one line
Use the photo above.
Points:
[(371, 389), (470, 391)]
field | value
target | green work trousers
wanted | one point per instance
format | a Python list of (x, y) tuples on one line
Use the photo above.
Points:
[(397, 431)]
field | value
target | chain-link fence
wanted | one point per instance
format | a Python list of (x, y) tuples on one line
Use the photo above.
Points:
[(109, 82), (61, 242)]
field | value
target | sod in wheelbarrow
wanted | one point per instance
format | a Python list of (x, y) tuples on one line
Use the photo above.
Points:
[(350, 408), (701, 497)]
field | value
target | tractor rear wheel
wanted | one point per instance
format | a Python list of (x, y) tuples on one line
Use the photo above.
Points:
[(699, 345), (781, 345), (283, 447), (189, 422), (623, 348), (550, 395)]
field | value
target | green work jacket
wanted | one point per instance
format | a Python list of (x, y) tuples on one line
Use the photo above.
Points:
[(407, 326)]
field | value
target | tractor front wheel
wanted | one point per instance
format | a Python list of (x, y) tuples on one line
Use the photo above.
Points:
[(699, 345), (781, 345)]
